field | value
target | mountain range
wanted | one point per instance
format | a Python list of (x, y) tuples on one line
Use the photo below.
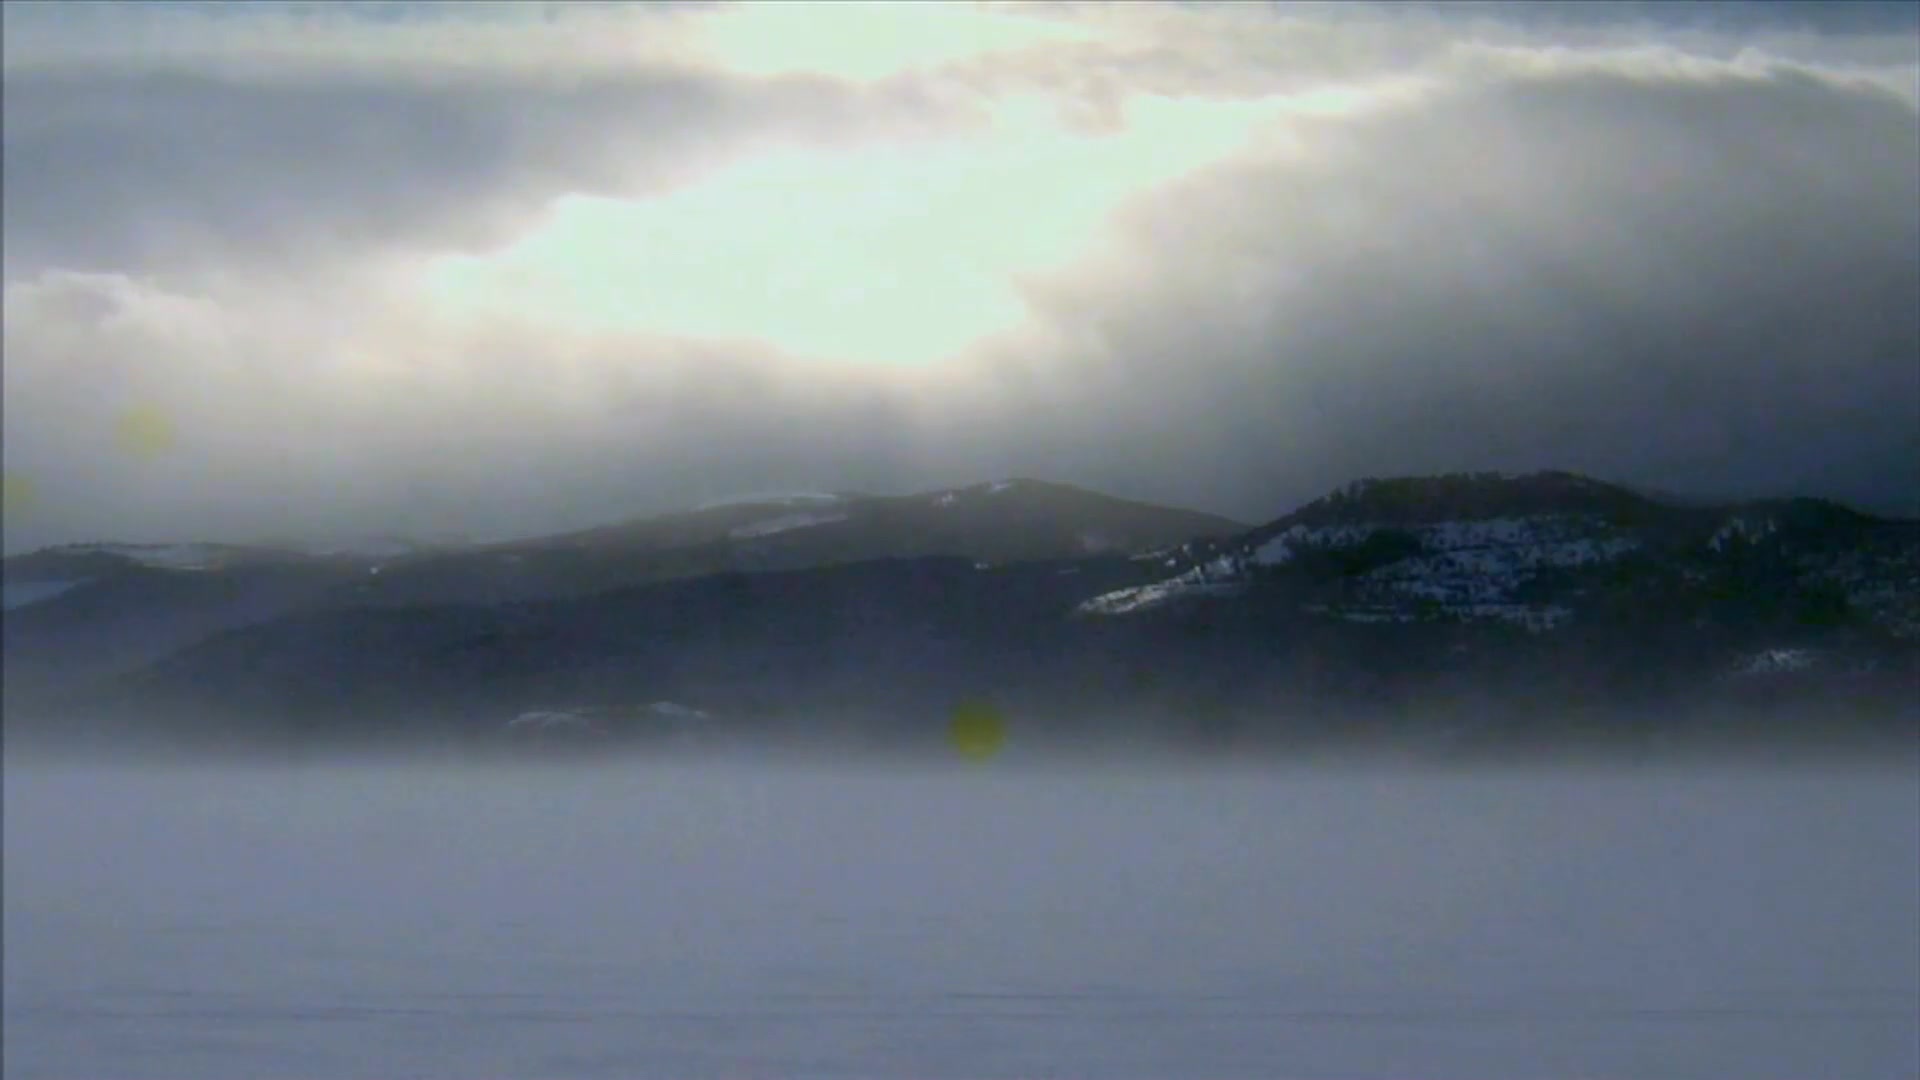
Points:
[(1480, 613)]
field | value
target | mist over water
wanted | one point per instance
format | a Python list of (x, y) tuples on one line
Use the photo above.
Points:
[(764, 920)]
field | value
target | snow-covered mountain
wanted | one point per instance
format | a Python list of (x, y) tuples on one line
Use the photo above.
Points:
[(1443, 601), (1005, 519), (998, 522), (88, 611), (1540, 551)]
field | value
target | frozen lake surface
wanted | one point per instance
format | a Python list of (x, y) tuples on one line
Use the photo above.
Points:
[(746, 921)]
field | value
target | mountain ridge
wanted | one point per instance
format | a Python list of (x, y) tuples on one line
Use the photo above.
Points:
[(1398, 597)]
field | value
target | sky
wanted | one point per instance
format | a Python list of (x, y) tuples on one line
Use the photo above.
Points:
[(279, 271)]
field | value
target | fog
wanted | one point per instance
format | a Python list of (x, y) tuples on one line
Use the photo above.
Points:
[(992, 920)]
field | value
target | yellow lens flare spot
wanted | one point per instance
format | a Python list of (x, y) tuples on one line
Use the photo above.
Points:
[(20, 494), (977, 730), (144, 431)]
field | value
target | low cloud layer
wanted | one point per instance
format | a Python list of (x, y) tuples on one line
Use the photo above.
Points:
[(454, 271)]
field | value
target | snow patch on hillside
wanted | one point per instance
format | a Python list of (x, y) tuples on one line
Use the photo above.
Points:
[(784, 523), (945, 499), (1476, 570), (1221, 577), (1778, 661), (1491, 574), (675, 711), (1473, 570), (1361, 615), (1283, 548), (551, 719), (373, 548), (593, 718), (1742, 530), (1145, 597), (1529, 542), (1535, 617), (784, 499), (1883, 583), (197, 556)]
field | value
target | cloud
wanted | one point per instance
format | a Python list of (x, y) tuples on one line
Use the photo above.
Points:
[(165, 170), (486, 272), (1684, 284), (396, 421)]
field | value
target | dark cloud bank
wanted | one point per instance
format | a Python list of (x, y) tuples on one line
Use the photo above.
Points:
[(1660, 266)]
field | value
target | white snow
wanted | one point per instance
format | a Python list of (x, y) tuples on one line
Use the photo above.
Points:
[(676, 711), (1564, 540), (196, 556), (784, 523), (1776, 661), (1472, 570), (790, 499), (1490, 574), (1882, 584), (1548, 540), (1476, 568), (1218, 578), (1742, 530), (546, 719), (1372, 615), (1143, 597), (1448, 535), (1282, 548), (586, 717), (1533, 617), (377, 547), (948, 498)]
